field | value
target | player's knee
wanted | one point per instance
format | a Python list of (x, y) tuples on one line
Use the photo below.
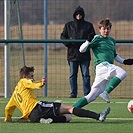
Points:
[(123, 75), (68, 117)]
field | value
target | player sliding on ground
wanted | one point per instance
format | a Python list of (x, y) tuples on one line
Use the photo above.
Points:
[(41, 111), (107, 75)]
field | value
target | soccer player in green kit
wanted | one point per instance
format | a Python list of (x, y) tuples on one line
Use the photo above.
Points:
[(107, 75)]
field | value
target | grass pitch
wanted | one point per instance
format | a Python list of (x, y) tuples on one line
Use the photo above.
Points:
[(120, 120)]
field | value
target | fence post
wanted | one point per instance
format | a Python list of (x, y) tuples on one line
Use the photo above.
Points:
[(7, 48)]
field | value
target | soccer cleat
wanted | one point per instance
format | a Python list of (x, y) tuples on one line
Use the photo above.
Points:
[(46, 121), (105, 96), (104, 114)]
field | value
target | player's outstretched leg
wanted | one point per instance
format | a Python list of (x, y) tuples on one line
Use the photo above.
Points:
[(90, 114)]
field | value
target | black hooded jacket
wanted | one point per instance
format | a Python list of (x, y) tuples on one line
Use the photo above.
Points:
[(77, 29)]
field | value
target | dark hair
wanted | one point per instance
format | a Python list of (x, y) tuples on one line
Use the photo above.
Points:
[(26, 70), (104, 23)]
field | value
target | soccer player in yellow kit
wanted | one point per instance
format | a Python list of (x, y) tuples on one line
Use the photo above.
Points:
[(42, 111)]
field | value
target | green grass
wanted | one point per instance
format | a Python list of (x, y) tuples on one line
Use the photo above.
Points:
[(120, 120)]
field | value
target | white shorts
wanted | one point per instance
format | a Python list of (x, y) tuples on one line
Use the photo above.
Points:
[(104, 73)]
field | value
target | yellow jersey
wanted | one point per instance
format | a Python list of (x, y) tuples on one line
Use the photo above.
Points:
[(23, 98)]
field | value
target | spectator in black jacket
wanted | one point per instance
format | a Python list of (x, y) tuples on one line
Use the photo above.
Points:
[(78, 29)]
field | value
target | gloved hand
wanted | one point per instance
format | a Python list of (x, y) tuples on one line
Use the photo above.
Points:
[(128, 62)]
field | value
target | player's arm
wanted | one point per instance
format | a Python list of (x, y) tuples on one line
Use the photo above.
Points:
[(83, 48), (9, 109), (124, 61), (34, 84), (119, 59), (87, 45)]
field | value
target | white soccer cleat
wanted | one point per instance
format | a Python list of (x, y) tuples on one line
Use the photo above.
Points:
[(46, 121), (105, 96), (104, 114)]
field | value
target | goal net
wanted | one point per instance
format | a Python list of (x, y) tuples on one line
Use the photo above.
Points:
[(17, 57)]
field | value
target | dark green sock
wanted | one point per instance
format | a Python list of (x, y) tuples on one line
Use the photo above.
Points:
[(80, 103), (112, 84)]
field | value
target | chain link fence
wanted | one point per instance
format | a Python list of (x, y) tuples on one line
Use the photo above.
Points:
[(32, 16)]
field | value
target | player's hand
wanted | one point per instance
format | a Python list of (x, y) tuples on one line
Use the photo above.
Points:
[(44, 80), (128, 62)]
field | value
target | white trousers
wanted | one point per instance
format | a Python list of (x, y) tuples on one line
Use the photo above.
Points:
[(104, 73)]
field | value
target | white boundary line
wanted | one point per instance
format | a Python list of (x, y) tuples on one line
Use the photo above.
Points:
[(100, 102), (75, 101), (86, 118), (97, 102), (108, 118)]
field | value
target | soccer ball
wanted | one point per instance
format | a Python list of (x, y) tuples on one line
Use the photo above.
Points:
[(130, 106)]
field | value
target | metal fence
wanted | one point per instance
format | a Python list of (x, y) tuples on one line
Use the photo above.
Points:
[(44, 19)]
